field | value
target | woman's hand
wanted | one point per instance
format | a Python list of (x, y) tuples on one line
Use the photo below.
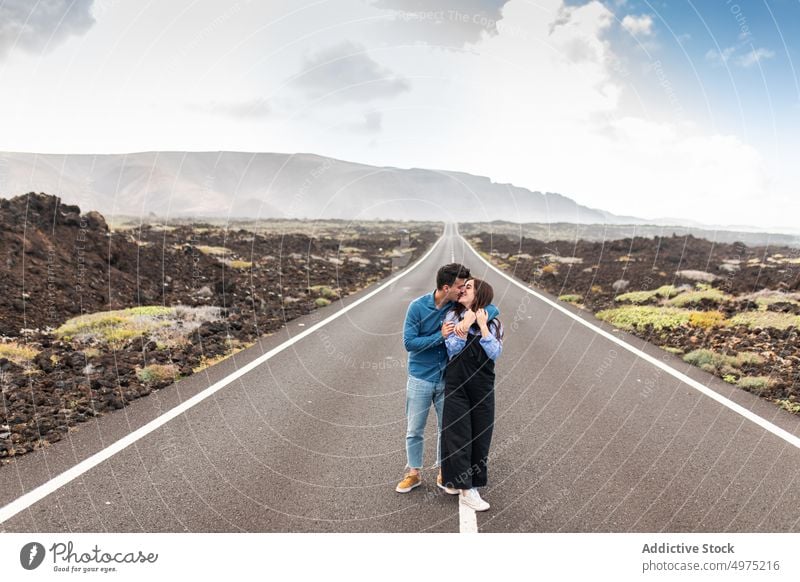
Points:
[(469, 317), (482, 317)]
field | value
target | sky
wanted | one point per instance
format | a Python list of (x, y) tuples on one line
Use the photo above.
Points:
[(650, 109)]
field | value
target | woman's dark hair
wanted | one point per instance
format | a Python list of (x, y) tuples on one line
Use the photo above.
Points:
[(483, 296), (448, 274)]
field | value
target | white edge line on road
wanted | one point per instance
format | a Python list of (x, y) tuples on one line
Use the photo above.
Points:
[(467, 520), (749, 415), (28, 499)]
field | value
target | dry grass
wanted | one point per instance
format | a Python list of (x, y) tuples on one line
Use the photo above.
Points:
[(324, 291), (706, 319), (237, 264), (234, 346), (696, 275), (165, 325), (213, 251), (20, 354)]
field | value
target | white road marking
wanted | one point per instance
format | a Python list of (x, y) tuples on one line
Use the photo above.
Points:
[(763, 423), (467, 520), (42, 491)]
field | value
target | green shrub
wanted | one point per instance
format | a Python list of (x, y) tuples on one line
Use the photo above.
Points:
[(91, 352), (713, 362), (788, 405), (692, 297), (764, 319), (754, 382), (704, 357), (672, 350), (147, 310), (706, 319), (157, 373), (767, 297), (639, 316), (321, 302), (748, 359), (570, 298), (324, 291), (635, 297), (668, 291), (639, 297)]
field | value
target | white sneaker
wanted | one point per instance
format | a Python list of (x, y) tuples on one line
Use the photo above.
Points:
[(472, 499), (448, 490)]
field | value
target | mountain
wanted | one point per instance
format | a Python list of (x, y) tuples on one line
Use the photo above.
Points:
[(274, 185)]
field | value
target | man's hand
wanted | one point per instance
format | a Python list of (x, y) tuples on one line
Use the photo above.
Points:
[(482, 317), (447, 328)]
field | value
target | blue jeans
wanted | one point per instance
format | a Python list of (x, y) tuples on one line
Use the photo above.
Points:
[(420, 394)]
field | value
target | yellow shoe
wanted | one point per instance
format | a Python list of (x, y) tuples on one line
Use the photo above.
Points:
[(410, 480), (441, 485)]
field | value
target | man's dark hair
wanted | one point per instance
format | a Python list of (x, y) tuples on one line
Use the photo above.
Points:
[(448, 274)]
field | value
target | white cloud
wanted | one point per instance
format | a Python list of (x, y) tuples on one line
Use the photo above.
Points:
[(718, 57), (244, 110), (746, 60), (42, 25), (754, 56), (543, 110), (370, 123), (638, 25), (346, 72)]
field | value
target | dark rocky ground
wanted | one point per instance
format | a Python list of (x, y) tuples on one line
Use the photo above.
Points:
[(598, 272), (58, 263)]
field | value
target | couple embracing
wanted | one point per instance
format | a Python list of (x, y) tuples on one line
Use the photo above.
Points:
[(453, 337)]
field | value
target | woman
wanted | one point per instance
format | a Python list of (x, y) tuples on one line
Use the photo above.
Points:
[(468, 416)]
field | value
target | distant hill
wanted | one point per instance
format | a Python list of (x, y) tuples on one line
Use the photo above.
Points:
[(275, 185), (611, 232)]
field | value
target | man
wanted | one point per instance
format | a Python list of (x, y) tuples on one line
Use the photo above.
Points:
[(424, 333)]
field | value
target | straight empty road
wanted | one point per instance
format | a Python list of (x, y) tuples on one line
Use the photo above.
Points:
[(589, 436)]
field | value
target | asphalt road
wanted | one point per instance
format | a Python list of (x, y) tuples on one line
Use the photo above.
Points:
[(588, 437)]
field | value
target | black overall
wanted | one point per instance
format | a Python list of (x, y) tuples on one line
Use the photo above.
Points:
[(468, 416)]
